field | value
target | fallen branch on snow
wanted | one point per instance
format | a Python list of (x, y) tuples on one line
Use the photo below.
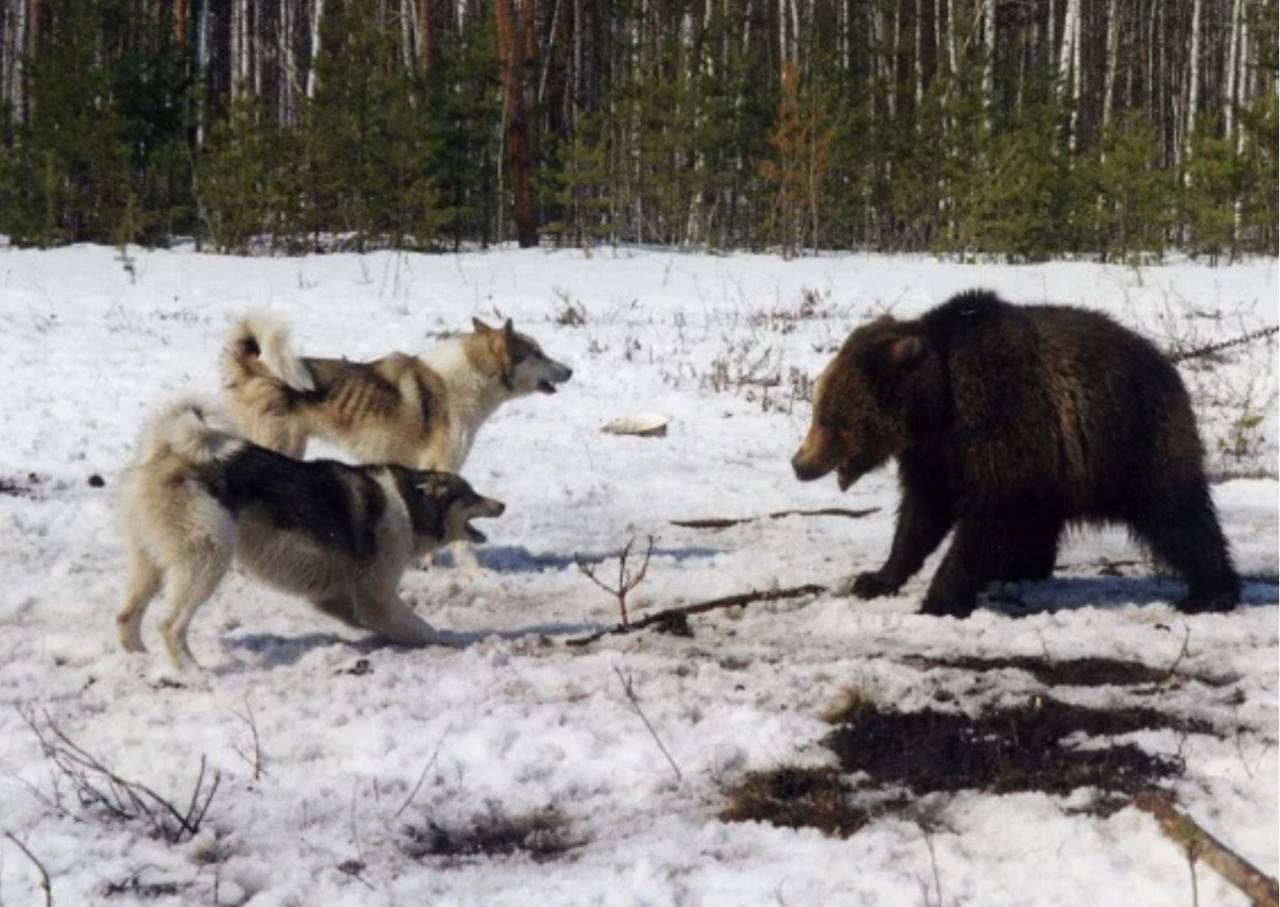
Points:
[(724, 522), (1261, 333), (1260, 888), (729, 601)]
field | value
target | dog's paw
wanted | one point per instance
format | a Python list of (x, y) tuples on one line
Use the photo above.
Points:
[(132, 643), (871, 584)]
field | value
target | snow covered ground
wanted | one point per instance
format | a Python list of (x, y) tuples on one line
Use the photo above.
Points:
[(360, 743)]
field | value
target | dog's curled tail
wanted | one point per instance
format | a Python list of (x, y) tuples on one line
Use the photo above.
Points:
[(258, 347), (192, 430)]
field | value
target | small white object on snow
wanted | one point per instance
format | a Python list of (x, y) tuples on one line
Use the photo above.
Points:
[(645, 425)]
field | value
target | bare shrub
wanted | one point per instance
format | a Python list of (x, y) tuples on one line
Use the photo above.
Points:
[(627, 580), (742, 364), (101, 791), (570, 314), (811, 306)]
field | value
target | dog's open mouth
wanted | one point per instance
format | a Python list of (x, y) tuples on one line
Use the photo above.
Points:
[(484, 507), (546, 387)]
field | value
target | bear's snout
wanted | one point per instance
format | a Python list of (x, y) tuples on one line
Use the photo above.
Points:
[(809, 461), (804, 470)]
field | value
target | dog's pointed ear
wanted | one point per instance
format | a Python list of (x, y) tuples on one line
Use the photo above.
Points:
[(480, 326), (902, 351), (501, 341)]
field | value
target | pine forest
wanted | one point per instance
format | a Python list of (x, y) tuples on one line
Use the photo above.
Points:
[(1114, 130)]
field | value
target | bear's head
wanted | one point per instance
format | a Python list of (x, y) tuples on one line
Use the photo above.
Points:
[(869, 401)]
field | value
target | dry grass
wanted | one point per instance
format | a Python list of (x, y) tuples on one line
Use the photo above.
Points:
[(793, 797)]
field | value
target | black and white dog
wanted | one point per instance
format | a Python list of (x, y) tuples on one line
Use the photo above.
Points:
[(199, 496)]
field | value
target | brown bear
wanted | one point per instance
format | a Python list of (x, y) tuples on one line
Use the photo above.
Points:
[(1007, 423)]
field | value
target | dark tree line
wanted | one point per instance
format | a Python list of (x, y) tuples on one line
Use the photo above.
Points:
[(1024, 128)]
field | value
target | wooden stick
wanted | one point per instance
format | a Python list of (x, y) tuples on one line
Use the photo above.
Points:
[(728, 601), (724, 522), (1260, 888), (635, 705)]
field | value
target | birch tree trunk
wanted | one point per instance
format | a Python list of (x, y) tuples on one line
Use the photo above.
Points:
[(1067, 64), (1193, 89), (313, 79), (1077, 77), (15, 35), (1113, 51), (989, 80), (1233, 65), (951, 35), (237, 39), (202, 66), (254, 45), (1242, 80)]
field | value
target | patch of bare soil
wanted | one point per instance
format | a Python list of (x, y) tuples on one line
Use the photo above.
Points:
[(1072, 672), (889, 759), (1038, 745), (542, 836)]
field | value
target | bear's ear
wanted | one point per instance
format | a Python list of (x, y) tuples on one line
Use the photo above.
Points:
[(902, 351)]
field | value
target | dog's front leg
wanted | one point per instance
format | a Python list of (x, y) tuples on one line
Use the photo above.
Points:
[(389, 617), (464, 558)]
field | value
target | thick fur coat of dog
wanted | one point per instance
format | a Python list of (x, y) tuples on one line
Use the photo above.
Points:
[(421, 412), (199, 497), (1008, 423)]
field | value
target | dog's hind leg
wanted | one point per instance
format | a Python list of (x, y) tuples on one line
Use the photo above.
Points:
[(189, 586), (144, 583), (340, 605), (391, 618)]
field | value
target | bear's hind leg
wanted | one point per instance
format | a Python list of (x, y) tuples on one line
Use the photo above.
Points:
[(1033, 556), (1182, 530)]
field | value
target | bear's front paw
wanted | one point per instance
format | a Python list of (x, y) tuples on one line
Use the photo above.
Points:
[(1207, 604), (872, 584)]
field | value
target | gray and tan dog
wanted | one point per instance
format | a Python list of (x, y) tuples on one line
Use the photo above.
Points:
[(199, 497), (419, 411)]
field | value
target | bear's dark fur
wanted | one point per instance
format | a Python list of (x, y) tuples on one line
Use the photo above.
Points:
[(1008, 423)]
